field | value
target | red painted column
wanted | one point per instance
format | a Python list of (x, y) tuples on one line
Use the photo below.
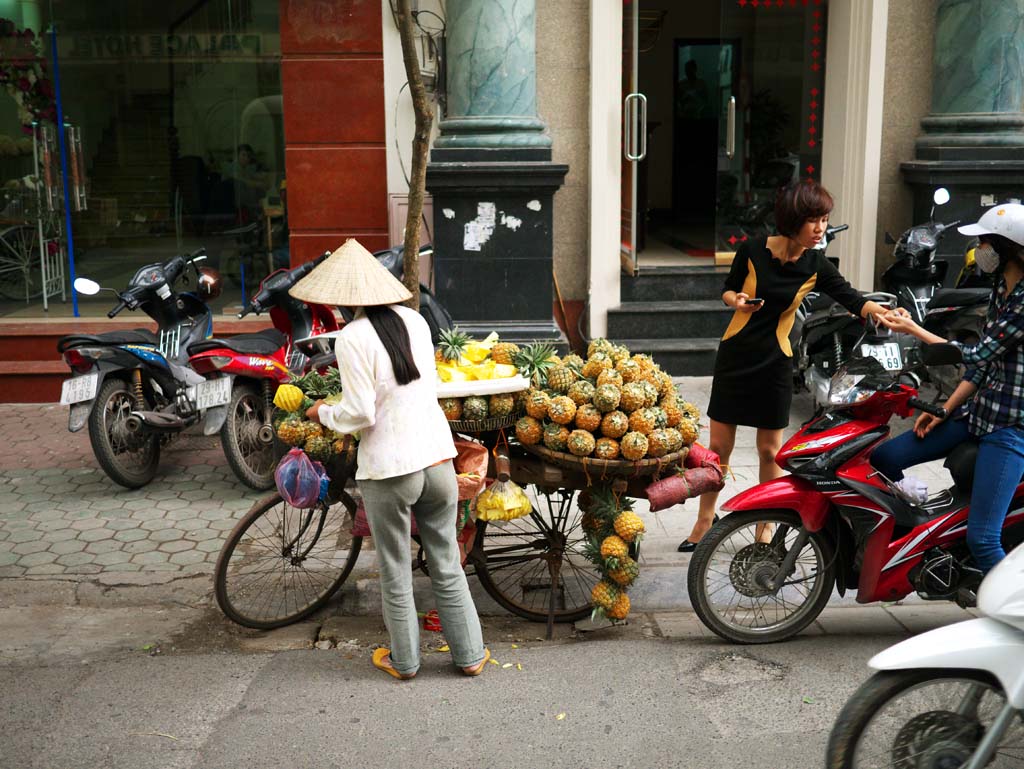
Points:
[(332, 77)]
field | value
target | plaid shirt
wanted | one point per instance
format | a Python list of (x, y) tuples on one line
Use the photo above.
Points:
[(996, 365)]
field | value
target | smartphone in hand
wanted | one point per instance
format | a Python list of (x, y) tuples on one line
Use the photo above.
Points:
[(754, 300)]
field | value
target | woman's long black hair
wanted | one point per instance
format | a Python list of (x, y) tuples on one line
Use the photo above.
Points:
[(394, 336)]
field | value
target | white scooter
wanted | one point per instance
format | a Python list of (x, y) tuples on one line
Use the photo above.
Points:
[(952, 698)]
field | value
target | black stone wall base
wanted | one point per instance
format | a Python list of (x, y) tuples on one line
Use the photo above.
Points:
[(493, 245)]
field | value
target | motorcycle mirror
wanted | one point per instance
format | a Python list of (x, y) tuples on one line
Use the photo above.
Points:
[(86, 286), (889, 239), (941, 354), (941, 196)]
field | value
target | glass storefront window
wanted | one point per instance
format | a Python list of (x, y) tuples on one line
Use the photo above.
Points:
[(176, 107)]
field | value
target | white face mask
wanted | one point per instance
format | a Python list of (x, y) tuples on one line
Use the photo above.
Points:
[(986, 258)]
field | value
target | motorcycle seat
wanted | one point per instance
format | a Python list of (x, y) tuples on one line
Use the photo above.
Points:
[(127, 336), (959, 297), (819, 302), (265, 342)]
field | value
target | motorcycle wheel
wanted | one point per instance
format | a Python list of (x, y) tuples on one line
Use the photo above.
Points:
[(726, 570), (130, 460), (280, 564), (922, 718), (251, 460)]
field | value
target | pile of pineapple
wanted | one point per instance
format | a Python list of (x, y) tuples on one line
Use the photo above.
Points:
[(460, 358), (613, 405), (290, 422), (611, 527)]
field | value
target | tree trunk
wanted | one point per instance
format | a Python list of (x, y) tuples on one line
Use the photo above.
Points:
[(420, 147)]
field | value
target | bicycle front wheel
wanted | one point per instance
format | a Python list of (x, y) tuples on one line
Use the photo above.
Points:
[(280, 564)]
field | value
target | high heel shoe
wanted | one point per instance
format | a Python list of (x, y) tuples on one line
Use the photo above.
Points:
[(686, 546)]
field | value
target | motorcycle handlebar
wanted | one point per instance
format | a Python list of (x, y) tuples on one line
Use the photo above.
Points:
[(838, 228), (122, 305), (928, 408)]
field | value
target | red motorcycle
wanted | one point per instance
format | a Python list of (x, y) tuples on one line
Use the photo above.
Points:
[(257, 363), (766, 570)]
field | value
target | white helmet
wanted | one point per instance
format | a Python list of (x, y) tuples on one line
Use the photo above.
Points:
[(1006, 219)]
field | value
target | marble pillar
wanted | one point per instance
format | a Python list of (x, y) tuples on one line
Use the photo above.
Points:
[(972, 142), (491, 176)]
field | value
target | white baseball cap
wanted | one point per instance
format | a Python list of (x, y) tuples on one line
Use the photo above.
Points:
[(1006, 219)]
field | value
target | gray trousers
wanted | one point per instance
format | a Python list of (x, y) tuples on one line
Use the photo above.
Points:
[(432, 496)]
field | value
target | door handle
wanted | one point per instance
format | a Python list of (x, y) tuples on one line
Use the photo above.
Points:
[(730, 129), (642, 127), (629, 112)]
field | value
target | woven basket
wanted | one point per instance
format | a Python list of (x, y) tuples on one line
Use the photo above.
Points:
[(604, 468), (482, 425)]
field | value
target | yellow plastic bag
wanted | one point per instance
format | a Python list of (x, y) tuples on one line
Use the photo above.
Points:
[(503, 501)]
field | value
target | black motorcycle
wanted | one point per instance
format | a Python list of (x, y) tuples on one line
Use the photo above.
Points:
[(134, 388)]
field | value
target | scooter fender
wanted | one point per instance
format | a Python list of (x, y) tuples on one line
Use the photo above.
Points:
[(977, 644), (214, 419), (78, 415), (789, 493)]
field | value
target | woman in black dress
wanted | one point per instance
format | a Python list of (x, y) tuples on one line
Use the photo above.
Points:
[(753, 378)]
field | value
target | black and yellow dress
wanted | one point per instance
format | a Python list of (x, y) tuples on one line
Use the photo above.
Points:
[(753, 379)]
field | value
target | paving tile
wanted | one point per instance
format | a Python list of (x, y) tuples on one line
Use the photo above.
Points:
[(162, 494), (37, 559), (12, 571), (130, 535), (7, 559), (39, 507), (44, 569), (23, 535), (75, 559), (210, 546), (150, 514), (103, 546), (51, 513), (176, 546), (67, 546), (188, 558), (112, 558), (150, 558), (83, 568), (139, 546), (84, 524), (59, 534), (225, 524), (196, 494), (203, 534), (154, 524), (121, 524), (25, 548), (166, 535), (172, 504)]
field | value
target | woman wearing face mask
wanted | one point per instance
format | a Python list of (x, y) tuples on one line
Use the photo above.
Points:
[(987, 406)]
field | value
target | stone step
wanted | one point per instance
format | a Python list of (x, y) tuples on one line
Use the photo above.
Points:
[(678, 357), (666, 284), (669, 320)]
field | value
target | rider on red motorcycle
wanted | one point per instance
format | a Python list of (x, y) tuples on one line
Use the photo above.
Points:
[(987, 406)]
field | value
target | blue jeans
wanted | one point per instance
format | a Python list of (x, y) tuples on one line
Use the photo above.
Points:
[(906, 450)]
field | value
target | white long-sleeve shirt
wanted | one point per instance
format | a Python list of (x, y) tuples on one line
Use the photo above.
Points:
[(401, 427)]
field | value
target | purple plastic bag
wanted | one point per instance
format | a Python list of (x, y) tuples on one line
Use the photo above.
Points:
[(300, 481)]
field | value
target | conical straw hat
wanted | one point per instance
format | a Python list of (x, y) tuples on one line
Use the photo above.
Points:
[(350, 277)]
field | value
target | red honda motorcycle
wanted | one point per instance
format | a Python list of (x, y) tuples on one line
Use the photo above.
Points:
[(257, 363), (766, 570)]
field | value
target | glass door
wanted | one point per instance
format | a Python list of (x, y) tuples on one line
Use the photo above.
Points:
[(634, 116), (769, 92)]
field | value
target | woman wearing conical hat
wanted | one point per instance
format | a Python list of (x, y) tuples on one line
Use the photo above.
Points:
[(389, 397)]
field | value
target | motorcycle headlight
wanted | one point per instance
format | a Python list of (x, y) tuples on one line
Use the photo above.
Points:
[(844, 389)]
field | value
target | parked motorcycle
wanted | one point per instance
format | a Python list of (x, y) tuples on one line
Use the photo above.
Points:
[(951, 697), (134, 388), (256, 364), (765, 571)]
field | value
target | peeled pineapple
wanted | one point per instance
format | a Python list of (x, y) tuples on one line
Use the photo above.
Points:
[(288, 397)]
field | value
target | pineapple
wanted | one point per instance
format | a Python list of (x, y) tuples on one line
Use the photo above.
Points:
[(646, 362), (630, 370), (591, 523), (573, 360), (660, 417), (556, 436), (529, 431), (607, 397), (628, 526), (533, 361), (561, 409), (690, 412), (658, 443), (666, 386), (604, 595), (501, 405), (452, 343), (288, 397), (620, 608), (650, 393), (588, 417), (319, 448), (619, 353), (642, 421), (312, 430), (673, 414), (688, 431), (580, 443), (599, 345), (537, 404), (595, 364), (581, 392), (633, 446), (626, 573), (561, 378), (675, 439), (614, 548), (504, 352), (290, 431), (452, 408), (474, 408), (606, 448), (609, 376), (520, 399), (615, 424), (633, 397)]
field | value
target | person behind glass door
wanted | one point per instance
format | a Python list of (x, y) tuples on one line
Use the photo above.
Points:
[(988, 405), (753, 374), (389, 398)]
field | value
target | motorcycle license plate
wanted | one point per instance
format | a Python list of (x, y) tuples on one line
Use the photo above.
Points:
[(887, 354), (213, 392), (79, 388)]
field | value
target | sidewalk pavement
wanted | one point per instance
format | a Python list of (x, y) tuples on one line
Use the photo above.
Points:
[(62, 519)]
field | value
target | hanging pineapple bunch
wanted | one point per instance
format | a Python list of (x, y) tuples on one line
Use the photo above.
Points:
[(292, 400), (613, 538), (627, 404)]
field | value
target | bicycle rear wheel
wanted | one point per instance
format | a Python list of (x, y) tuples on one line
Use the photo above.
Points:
[(280, 564)]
